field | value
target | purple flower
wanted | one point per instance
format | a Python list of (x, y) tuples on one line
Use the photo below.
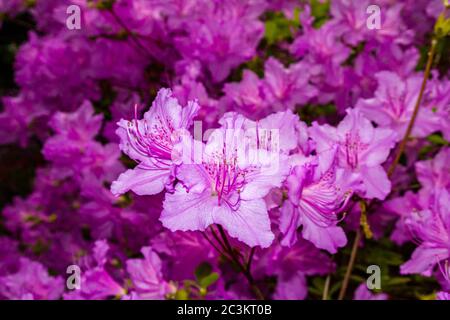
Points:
[(30, 282), (146, 276), (363, 293), (11, 7), (316, 197), (185, 251), (442, 295), (434, 173), (291, 265), (74, 134), (431, 227), (352, 17), (73, 144), (222, 36), (361, 150), (190, 89), (96, 282), (22, 117), (381, 57), (247, 96), (284, 88), (320, 46), (226, 188), (151, 142), (394, 102)]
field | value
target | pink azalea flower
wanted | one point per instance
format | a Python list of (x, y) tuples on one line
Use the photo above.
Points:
[(361, 150), (435, 173), (151, 142), (147, 277), (247, 96), (225, 189), (187, 249), (442, 295), (31, 282), (431, 227), (394, 102), (352, 17), (363, 293), (222, 35), (286, 87), (316, 197), (96, 282), (292, 265)]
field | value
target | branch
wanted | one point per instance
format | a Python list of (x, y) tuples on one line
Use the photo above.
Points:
[(401, 148)]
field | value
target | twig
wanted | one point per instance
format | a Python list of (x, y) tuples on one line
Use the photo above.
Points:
[(130, 33), (222, 245), (250, 259), (402, 145), (326, 288), (351, 262), (244, 270), (211, 243), (393, 165)]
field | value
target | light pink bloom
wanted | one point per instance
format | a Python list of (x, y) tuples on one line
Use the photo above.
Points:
[(151, 142), (316, 197), (361, 150), (226, 188)]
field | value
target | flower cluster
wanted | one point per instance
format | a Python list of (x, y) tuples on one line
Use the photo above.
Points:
[(210, 149)]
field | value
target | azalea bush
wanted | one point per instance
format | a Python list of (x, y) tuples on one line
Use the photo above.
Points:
[(238, 149)]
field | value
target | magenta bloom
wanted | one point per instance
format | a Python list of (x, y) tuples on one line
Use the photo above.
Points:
[(442, 295), (147, 277), (96, 282), (351, 16), (74, 136), (361, 150), (393, 105), (31, 282), (316, 197), (286, 87), (222, 35), (247, 96), (291, 266), (226, 189), (187, 250), (150, 142), (431, 227), (435, 173), (363, 293)]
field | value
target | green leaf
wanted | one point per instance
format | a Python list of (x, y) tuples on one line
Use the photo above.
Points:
[(397, 281), (437, 139), (203, 270), (442, 26), (182, 294), (320, 12), (208, 280), (277, 28)]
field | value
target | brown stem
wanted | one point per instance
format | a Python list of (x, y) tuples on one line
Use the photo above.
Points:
[(393, 165), (326, 288), (133, 37), (222, 245), (402, 145), (246, 272), (250, 259), (211, 243), (351, 262)]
